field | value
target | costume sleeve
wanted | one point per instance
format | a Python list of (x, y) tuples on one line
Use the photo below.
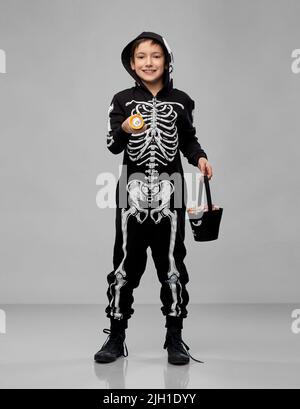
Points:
[(117, 138), (188, 142)]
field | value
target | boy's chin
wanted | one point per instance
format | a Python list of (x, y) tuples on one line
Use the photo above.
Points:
[(151, 81)]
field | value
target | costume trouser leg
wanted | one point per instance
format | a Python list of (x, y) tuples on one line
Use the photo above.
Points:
[(129, 260), (168, 252), (166, 239)]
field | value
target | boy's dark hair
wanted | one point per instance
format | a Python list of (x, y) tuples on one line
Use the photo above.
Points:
[(141, 40)]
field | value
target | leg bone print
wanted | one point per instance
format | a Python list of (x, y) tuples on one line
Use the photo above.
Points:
[(136, 190)]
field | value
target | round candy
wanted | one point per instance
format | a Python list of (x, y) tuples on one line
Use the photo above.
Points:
[(136, 121)]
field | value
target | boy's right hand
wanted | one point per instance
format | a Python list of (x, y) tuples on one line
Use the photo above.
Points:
[(127, 128)]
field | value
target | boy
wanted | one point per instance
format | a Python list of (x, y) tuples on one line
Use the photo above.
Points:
[(150, 216)]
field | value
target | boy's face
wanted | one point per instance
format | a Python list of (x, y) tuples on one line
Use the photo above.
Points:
[(149, 62)]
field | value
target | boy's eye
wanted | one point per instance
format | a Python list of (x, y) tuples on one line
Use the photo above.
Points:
[(141, 56)]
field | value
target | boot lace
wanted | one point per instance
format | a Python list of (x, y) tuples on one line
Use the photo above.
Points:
[(111, 337), (177, 343)]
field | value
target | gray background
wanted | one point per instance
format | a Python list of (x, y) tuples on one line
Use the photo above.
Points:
[(63, 67)]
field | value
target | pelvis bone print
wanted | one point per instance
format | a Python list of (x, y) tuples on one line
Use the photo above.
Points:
[(141, 192)]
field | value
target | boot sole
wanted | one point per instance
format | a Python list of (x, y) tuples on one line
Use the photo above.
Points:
[(178, 362), (99, 361), (102, 360)]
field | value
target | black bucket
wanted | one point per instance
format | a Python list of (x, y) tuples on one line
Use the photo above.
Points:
[(205, 223)]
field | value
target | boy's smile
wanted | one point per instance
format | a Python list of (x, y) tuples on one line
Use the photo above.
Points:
[(149, 63)]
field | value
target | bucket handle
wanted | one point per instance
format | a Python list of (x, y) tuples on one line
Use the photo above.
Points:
[(207, 189)]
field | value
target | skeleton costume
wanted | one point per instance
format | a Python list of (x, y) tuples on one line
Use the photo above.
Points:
[(151, 190)]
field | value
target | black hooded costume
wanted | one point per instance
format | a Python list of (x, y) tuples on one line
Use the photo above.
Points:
[(150, 194)]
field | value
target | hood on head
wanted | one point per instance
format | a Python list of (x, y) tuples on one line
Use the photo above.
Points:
[(168, 75)]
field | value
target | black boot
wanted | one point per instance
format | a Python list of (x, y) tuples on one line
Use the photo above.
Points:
[(177, 349), (114, 345)]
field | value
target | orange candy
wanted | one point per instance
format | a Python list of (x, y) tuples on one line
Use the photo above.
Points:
[(136, 121)]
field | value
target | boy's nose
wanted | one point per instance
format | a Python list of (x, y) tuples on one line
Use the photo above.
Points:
[(148, 61)]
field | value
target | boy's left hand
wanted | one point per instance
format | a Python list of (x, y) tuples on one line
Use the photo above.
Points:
[(205, 167)]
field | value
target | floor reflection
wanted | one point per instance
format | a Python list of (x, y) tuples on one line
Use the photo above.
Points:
[(176, 376), (114, 374)]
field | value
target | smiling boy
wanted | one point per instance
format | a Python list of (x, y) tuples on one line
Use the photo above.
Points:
[(151, 217)]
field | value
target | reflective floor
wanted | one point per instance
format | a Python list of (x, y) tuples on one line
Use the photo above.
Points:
[(243, 346)]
